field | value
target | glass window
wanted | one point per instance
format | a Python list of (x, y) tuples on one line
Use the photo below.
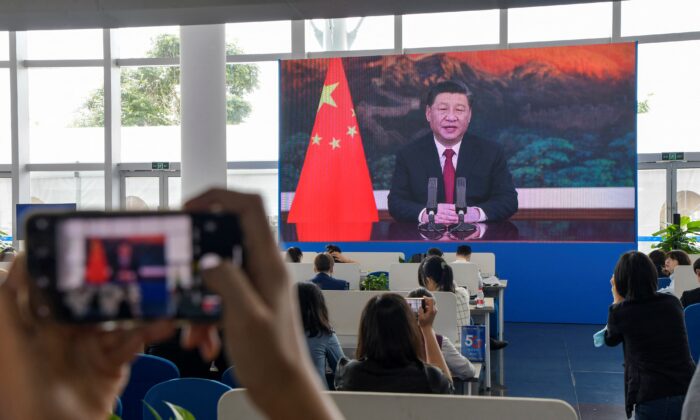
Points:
[(651, 196), (446, 29), (260, 181), (174, 192), (5, 127), (551, 23), (158, 41), (71, 44), (688, 193), (259, 37), (368, 33), (252, 107), (66, 115), (6, 205), (86, 189), (142, 193), (645, 17), (150, 114), (4, 45), (667, 90)]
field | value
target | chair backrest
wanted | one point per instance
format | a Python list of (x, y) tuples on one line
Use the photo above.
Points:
[(349, 273), (684, 279), (466, 275), (486, 261), (345, 311), (229, 378), (390, 406), (375, 261), (299, 272), (403, 277), (146, 371), (198, 396), (692, 325)]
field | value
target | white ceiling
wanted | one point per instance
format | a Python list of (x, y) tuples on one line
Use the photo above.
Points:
[(57, 14)]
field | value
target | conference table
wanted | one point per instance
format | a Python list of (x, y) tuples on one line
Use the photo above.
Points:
[(530, 230)]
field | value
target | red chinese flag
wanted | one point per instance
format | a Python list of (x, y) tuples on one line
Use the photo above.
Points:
[(97, 270), (334, 200)]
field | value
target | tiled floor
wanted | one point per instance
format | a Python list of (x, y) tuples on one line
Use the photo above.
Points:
[(560, 361)]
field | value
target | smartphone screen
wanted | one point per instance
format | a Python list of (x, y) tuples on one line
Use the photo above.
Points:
[(99, 267), (415, 304)]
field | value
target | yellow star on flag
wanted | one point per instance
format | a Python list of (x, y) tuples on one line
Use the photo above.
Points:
[(326, 97), (335, 143), (316, 139), (352, 110), (352, 131)]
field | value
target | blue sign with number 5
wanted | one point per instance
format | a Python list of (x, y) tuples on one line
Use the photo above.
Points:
[(473, 342)]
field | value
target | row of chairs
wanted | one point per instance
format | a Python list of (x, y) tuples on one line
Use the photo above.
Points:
[(402, 277), (155, 381), (207, 399), (382, 261)]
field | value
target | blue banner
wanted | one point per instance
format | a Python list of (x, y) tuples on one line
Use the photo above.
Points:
[(473, 345)]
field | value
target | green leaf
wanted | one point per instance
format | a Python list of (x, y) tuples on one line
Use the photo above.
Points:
[(153, 411), (180, 413)]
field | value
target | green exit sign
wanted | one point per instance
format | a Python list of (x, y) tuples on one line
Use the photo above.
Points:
[(672, 156), (160, 166)]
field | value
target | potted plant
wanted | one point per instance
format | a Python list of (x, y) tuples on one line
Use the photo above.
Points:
[(681, 236), (3, 243), (375, 281)]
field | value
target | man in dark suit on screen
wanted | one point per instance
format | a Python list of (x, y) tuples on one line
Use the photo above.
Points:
[(447, 154)]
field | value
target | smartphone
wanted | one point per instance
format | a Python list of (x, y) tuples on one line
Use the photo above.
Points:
[(415, 304), (97, 267)]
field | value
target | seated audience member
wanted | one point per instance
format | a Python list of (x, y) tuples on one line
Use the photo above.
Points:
[(189, 362), (323, 267), (436, 252), (674, 259), (658, 365), (464, 256), (436, 275), (658, 257), (8, 254), (323, 344), (391, 356), (337, 254), (61, 371), (460, 367), (293, 255), (690, 297)]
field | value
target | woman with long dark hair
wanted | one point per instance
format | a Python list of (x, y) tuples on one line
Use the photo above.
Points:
[(320, 337), (395, 351), (437, 277), (651, 326)]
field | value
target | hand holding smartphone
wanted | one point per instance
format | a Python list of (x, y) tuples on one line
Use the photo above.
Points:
[(416, 304), (98, 267)]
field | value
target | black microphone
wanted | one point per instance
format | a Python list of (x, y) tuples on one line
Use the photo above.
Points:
[(461, 203), (431, 205), (432, 230), (461, 229)]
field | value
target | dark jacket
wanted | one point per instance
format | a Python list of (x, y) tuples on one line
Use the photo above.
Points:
[(370, 376), (326, 282), (481, 162), (655, 343), (690, 297)]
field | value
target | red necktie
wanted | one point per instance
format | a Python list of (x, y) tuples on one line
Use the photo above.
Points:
[(448, 175)]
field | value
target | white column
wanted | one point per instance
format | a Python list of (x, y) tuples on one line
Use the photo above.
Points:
[(19, 103), (113, 115), (203, 108)]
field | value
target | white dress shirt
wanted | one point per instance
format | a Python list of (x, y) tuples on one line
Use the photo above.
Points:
[(441, 153)]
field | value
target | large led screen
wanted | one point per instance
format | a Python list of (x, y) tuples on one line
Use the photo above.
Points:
[(533, 144)]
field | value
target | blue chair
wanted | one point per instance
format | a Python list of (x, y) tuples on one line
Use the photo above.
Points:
[(664, 282), (198, 396), (692, 325), (117, 411), (146, 371), (229, 378)]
